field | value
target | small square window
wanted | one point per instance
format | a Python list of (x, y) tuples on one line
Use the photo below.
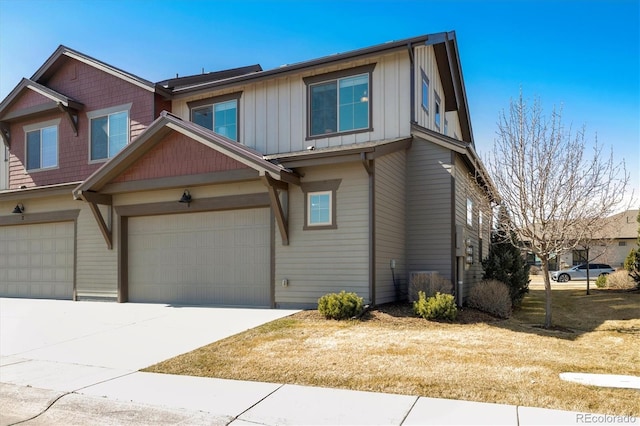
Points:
[(320, 204), (319, 208)]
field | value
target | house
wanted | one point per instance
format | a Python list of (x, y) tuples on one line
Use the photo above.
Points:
[(243, 187), (611, 245)]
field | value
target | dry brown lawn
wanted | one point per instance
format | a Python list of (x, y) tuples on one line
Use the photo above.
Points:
[(477, 358)]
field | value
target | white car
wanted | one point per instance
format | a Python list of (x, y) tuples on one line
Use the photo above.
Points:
[(580, 272)]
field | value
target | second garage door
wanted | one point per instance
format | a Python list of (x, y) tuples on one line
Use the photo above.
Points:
[(220, 258)]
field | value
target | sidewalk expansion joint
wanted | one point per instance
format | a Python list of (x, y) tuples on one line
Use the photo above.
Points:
[(43, 411), (262, 399), (409, 411)]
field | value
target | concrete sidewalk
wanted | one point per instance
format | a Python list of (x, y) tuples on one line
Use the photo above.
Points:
[(76, 363), (158, 399)]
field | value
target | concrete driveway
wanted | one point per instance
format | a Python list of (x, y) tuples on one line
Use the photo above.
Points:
[(64, 345)]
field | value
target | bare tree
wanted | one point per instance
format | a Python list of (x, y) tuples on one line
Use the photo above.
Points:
[(554, 192)]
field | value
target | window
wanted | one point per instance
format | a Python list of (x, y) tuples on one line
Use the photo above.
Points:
[(446, 126), (480, 236), (339, 102), (109, 132), (42, 145), (622, 243), (579, 257), (219, 114), (319, 208), (320, 204), (469, 212), (437, 111), (425, 92)]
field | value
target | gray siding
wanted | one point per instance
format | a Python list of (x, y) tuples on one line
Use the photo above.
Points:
[(429, 199), (317, 262), (465, 189), (390, 223), (97, 265)]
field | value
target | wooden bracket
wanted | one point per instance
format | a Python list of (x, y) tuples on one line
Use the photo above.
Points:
[(93, 198), (273, 186), (72, 116)]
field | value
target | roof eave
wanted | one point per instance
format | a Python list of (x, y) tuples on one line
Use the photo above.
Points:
[(301, 66)]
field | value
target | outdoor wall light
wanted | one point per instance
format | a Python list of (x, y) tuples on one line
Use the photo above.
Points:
[(186, 197), (19, 209)]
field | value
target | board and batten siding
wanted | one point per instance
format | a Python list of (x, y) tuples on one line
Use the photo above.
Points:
[(390, 223), (425, 61), (273, 113), (317, 262), (97, 266), (429, 217)]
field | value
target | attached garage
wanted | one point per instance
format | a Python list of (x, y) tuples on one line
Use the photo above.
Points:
[(37, 260), (215, 257)]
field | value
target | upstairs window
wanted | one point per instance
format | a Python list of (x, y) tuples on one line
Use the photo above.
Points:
[(42, 145), (339, 102), (469, 212), (109, 132), (219, 114), (425, 92), (437, 114)]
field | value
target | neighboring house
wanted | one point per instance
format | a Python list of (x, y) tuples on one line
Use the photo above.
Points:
[(611, 245), (243, 187)]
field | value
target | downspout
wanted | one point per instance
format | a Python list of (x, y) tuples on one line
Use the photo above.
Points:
[(368, 166), (412, 84)]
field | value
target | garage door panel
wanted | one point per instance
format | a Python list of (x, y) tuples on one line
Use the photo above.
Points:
[(37, 260), (201, 258)]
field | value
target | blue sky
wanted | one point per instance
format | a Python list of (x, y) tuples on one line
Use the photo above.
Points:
[(581, 55)]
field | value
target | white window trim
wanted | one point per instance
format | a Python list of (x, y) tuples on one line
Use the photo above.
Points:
[(105, 112), (330, 221), (39, 126)]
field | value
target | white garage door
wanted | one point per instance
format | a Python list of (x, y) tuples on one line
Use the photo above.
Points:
[(37, 260), (220, 258)]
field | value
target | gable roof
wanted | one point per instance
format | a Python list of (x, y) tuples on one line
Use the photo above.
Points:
[(156, 132), (63, 53), (55, 98), (190, 80), (446, 52)]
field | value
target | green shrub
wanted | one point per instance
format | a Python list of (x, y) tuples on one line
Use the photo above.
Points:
[(601, 281), (506, 264), (491, 296), (440, 306), (341, 305)]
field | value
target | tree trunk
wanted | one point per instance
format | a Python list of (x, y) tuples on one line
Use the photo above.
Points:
[(588, 268), (547, 293)]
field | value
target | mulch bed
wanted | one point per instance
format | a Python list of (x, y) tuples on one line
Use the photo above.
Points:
[(402, 314)]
